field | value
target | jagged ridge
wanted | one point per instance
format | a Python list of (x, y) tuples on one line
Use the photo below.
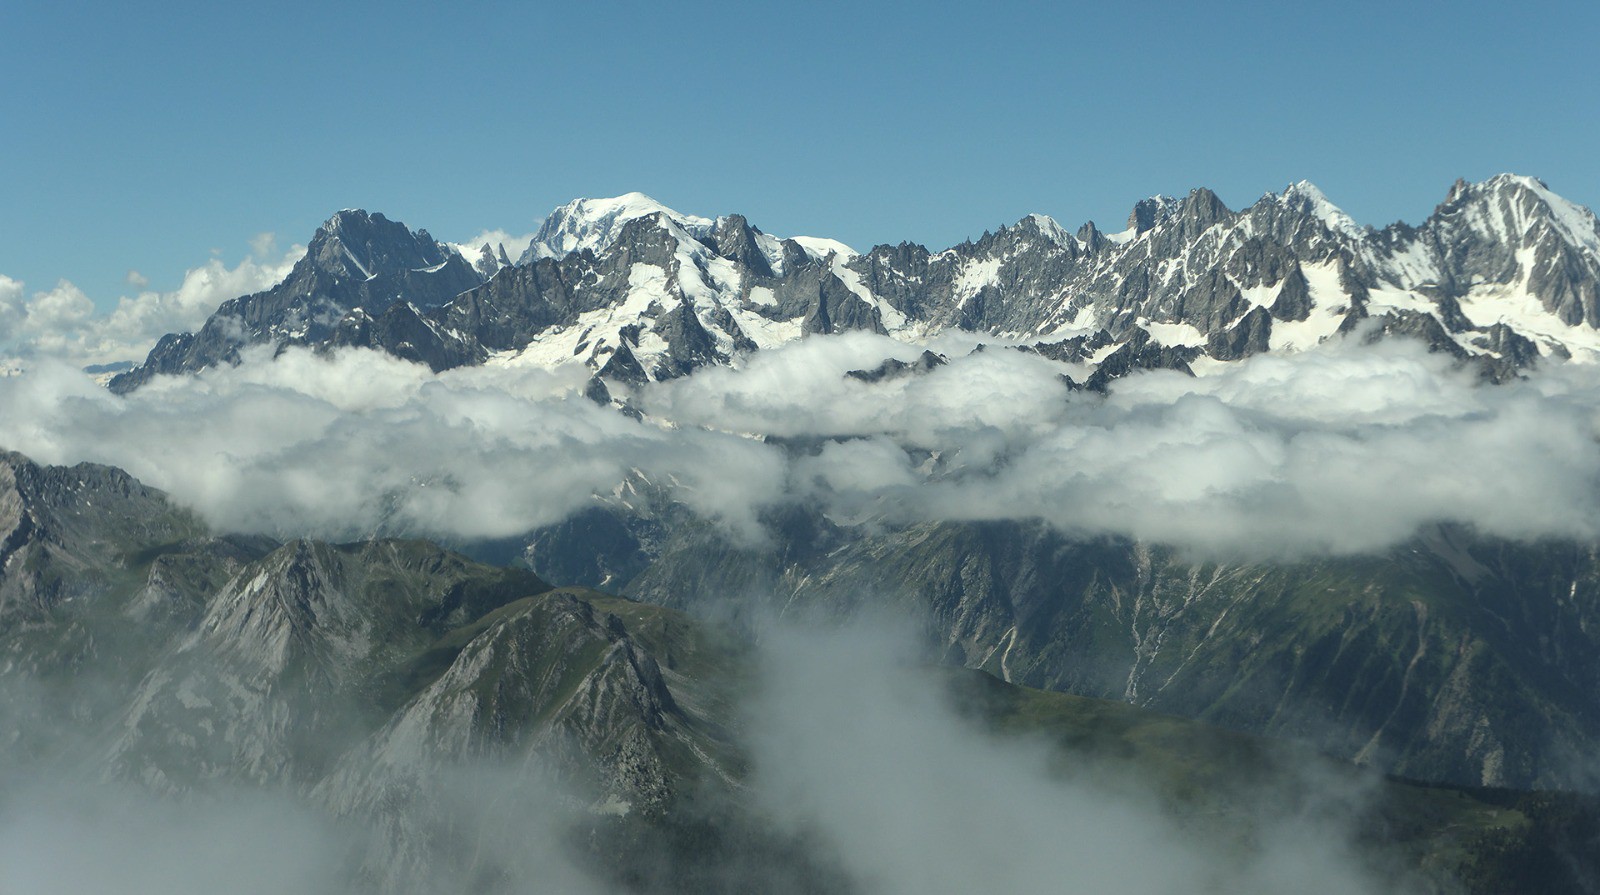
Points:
[(1502, 273)]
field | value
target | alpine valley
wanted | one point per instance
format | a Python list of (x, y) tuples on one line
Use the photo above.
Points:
[(658, 682)]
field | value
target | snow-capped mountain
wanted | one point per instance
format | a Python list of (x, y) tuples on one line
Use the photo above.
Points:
[(356, 264), (594, 224), (1502, 273)]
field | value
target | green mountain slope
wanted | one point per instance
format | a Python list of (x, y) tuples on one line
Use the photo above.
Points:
[(1453, 658), (467, 724)]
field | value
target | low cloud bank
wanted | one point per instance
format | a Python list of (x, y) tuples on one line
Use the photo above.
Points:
[(361, 442), (1343, 449)]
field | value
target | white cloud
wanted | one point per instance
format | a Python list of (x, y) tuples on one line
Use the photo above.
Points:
[(64, 307), (1345, 449), (514, 244), (264, 245), (346, 445), (49, 321), (63, 322), (12, 309), (136, 279)]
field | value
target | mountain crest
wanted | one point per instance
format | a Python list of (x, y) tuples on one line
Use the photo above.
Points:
[(1304, 197), (1150, 213), (355, 243), (595, 224), (630, 286)]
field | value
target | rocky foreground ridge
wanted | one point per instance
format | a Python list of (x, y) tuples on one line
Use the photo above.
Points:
[(420, 699)]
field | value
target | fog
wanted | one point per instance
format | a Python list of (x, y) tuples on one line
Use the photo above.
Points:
[(855, 750), (60, 839), (481, 829), (1347, 448), (74, 819), (855, 742)]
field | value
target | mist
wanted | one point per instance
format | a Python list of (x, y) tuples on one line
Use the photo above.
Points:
[(855, 743), (857, 755), (57, 838)]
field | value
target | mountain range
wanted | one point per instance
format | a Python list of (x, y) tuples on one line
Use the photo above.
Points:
[(1503, 273), (606, 662), (406, 692)]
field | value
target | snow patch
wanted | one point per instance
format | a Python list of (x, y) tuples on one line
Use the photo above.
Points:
[(975, 276), (1328, 309), (1173, 333)]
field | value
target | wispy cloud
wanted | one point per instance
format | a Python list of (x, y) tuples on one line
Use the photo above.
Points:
[(855, 746)]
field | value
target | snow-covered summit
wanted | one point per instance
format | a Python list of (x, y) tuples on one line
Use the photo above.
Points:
[(1514, 205), (594, 224), (1305, 196), (821, 247), (1051, 229)]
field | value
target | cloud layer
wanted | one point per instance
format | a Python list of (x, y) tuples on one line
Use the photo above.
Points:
[(1343, 449), (360, 442)]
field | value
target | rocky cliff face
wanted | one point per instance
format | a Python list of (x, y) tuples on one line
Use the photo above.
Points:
[(1453, 657), (276, 675), (409, 693), (67, 533), (356, 264), (137, 648)]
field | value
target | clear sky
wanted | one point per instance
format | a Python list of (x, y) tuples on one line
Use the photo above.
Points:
[(136, 140)]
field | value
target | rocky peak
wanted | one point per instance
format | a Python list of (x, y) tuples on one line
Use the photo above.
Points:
[(650, 239), (356, 245), (1047, 227), (1091, 237), (81, 519), (1151, 213), (1305, 199), (1202, 209), (1511, 231), (355, 261), (733, 238), (290, 607), (1203, 264), (1516, 205), (491, 260)]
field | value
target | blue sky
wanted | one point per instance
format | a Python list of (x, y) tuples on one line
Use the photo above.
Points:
[(140, 142)]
